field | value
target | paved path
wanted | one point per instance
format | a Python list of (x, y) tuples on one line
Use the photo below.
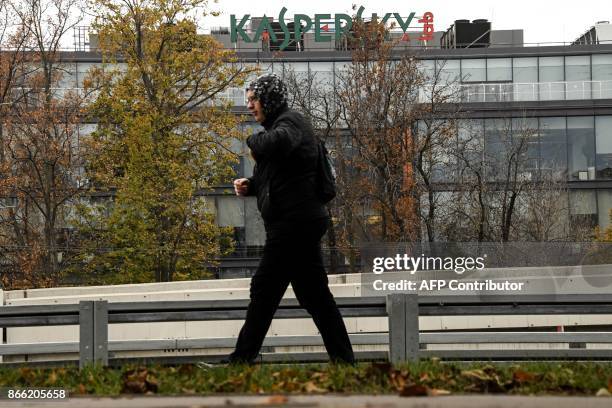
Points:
[(334, 401)]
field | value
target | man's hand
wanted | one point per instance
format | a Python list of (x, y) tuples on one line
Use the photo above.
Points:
[(241, 186)]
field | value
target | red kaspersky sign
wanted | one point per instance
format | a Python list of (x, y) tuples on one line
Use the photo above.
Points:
[(304, 24)]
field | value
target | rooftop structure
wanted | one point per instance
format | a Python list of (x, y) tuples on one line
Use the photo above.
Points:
[(600, 33)]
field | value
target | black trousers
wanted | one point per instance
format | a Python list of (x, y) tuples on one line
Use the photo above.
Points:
[(292, 254)]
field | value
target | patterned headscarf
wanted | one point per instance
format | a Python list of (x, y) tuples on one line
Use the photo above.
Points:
[(271, 92)]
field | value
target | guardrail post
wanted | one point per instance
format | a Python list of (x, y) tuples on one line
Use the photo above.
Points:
[(100, 338), (86, 332), (93, 332), (403, 311)]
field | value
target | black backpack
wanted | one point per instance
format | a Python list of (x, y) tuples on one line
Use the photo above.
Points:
[(326, 175)]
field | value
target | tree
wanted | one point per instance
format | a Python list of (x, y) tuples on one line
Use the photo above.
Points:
[(502, 195), (435, 140), (606, 234), (163, 135), (41, 158), (379, 105)]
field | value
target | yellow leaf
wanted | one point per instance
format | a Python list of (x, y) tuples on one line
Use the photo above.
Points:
[(310, 386)]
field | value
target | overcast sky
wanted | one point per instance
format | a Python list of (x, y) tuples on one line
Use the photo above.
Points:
[(541, 20)]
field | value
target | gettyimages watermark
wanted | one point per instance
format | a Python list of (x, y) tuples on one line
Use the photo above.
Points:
[(486, 269)]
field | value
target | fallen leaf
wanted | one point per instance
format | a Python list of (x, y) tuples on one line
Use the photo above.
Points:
[(522, 377), (476, 374), (603, 393), (489, 369), (319, 375), (398, 379), (310, 386), (437, 392), (414, 390), (483, 381), (139, 381)]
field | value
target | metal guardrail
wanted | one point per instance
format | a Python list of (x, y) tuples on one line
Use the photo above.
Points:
[(402, 311)]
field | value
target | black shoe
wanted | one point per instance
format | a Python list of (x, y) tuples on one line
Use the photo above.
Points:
[(236, 361)]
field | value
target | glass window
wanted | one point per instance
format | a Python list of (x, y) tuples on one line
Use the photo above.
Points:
[(321, 66), (551, 69), (254, 230), (604, 205), (583, 208), (526, 146), (473, 70), (525, 76), (470, 142), (602, 67), (449, 70), (553, 147), (342, 66), (255, 70), (583, 202), (448, 79), (499, 69), (496, 143), (525, 69), (120, 67), (296, 66), (551, 77), (323, 74), (83, 71), (67, 80), (603, 146), (602, 76), (208, 204), (581, 144), (230, 211), (577, 68), (577, 75), (427, 68), (277, 68), (441, 161)]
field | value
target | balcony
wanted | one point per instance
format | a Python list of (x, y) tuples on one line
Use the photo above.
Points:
[(538, 91)]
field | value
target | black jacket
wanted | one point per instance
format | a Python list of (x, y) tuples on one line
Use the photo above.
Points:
[(284, 175)]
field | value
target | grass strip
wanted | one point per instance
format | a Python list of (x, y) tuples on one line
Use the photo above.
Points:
[(430, 377)]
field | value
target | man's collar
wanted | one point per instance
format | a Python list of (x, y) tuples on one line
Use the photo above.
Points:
[(269, 121)]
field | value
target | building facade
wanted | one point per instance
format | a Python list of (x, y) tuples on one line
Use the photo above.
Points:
[(564, 92)]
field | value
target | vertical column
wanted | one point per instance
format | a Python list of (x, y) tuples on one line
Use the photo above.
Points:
[(100, 339), (403, 312), (93, 332), (86, 332)]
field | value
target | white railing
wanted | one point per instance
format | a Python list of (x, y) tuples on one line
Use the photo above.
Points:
[(537, 91), (466, 92)]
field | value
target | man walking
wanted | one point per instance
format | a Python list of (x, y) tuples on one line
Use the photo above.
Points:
[(295, 220)]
